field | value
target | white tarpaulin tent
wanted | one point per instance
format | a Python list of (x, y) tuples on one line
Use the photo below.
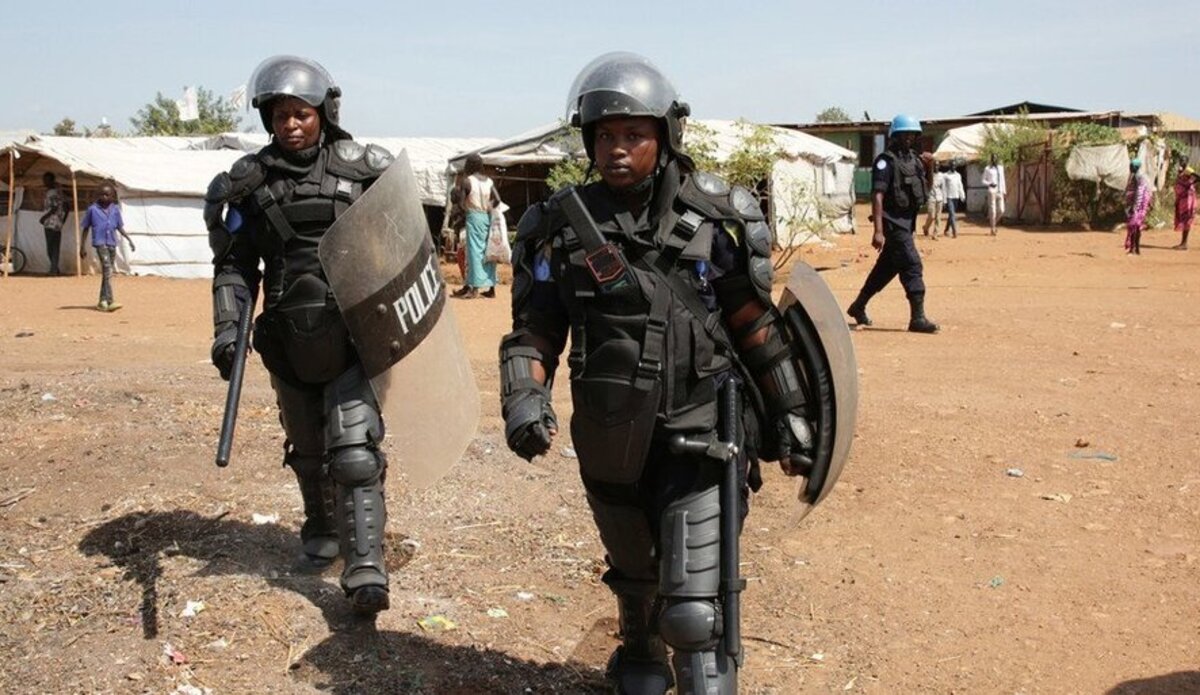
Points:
[(161, 182), (962, 145), (812, 180)]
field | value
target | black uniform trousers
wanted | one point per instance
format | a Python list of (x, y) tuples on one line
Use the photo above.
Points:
[(898, 257)]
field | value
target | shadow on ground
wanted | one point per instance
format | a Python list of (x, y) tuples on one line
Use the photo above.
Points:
[(363, 660), (1178, 683), (137, 542)]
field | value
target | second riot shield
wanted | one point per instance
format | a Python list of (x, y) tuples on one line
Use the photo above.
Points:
[(381, 263), (821, 338)]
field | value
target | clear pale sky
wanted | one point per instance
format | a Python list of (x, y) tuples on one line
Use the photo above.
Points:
[(499, 68)]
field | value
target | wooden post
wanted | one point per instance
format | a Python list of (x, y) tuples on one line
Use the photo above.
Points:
[(12, 214), (78, 234)]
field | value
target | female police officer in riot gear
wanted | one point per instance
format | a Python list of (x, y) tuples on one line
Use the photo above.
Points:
[(274, 206), (661, 276), (898, 191)]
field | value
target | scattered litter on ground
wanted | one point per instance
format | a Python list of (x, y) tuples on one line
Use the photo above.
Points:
[(187, 689), (1014, 473), (436, 622), (817, 656), (524, 596), (24, 334), (263, 519), (174, 655), (1057, 497), (569, 452), (497, 613), (996, 582), (48, 397), (192, 609), (1082, 443), (1116, 324), (1102, 455)]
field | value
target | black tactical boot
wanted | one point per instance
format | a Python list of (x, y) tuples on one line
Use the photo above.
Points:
[(318, 534), (639, 666), (918, 323), (858, 311), (363, 518)]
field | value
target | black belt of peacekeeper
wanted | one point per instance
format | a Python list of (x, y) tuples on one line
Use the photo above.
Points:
[(609, 269)]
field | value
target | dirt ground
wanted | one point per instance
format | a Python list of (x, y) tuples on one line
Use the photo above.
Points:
[(934, 567)]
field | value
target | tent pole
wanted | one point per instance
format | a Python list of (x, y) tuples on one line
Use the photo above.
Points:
[(75, 205), (12, 214)]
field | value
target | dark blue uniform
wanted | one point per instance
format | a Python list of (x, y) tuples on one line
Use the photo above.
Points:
[(899, 255)]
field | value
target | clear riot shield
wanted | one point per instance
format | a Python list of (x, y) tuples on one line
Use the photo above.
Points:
[(380, 261), (821, 338)]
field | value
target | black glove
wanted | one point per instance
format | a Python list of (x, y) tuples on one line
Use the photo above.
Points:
[(791, 443), (224, 348), (528, 423)]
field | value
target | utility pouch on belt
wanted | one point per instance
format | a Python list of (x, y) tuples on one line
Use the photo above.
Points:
[(605, 262)]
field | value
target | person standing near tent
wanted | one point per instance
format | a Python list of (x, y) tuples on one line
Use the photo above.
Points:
[(954, 193), (103, 221), (54, 214), (993, 178), (274, 207), (661, 275), (937, 198), (897, 194), (1138, 196), (480, 198), (1185, 204)]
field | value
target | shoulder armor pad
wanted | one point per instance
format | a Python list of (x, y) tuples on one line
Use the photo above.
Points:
[(378, 158), (712, 197), (745, 203), (349, 150), (357, 162), (710, 183), (246, 174), (758, 238), (533, 223)]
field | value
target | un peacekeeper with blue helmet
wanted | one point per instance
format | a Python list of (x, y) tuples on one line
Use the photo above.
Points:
[(898, 192)]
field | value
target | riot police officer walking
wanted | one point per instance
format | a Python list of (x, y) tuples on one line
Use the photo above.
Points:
[(898, 192), (274, 206), (683, 372)]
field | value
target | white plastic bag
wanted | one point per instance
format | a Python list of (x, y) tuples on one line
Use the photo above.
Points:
[(498, 249)]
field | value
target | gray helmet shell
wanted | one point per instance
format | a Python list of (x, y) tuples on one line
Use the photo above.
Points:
[(622, 84), (294, 76)]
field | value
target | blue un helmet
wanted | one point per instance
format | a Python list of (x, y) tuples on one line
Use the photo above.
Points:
[(903, 123)]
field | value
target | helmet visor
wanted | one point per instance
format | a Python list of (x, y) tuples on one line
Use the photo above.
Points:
[(286, 75), (621, 84)]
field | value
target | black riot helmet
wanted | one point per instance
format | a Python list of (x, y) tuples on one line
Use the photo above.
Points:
[(293, 76), (622, 84)]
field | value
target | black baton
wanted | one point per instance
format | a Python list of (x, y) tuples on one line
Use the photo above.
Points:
[(731, 579), (236, 373)]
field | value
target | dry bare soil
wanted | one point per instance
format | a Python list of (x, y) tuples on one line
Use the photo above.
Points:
[(930, 569)]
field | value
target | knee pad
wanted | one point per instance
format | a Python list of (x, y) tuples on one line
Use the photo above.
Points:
[(690, 625), (355, 466)]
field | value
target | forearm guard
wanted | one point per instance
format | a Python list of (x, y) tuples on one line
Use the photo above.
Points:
[(230, 293), (516, 370), (774, 370)]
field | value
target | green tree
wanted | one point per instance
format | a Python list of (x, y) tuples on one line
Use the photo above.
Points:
[(161, 116), (66, 128), (833, 114)]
